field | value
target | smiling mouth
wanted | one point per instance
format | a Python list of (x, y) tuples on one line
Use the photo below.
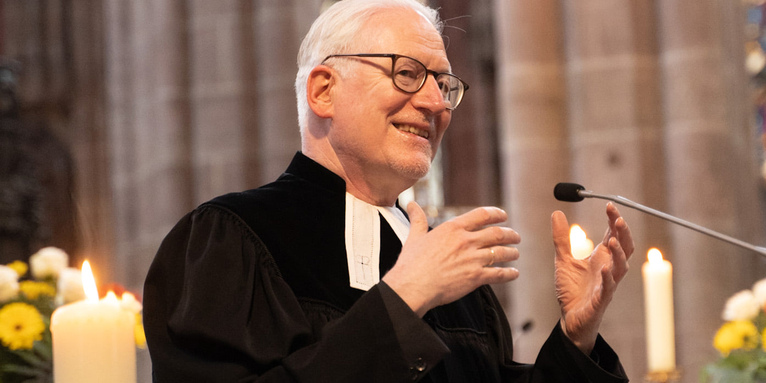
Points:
[(412, 129)]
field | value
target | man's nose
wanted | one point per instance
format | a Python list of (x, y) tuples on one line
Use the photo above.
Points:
[(430, 96)]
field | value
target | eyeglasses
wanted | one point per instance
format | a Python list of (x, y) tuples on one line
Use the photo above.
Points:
[(409, 76)]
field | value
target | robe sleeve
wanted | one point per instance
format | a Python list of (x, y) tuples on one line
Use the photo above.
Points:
[(217, 310), (560, 360)]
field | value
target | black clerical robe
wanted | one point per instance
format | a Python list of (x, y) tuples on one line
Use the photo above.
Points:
[(254, 286)]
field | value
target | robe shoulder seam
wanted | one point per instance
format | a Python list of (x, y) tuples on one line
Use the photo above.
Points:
[(247, 233)]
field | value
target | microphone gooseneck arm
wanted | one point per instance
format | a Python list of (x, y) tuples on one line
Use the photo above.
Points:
[(626, 202)]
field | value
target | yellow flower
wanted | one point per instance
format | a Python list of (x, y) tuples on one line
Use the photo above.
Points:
[(20, 326), (138, 332), (19, 267), (34, 289), (763, 339), (741, 334)]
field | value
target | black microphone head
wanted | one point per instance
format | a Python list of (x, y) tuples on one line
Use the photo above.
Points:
[(568, 192)]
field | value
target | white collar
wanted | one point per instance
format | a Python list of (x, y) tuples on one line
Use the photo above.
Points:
[(363, 239)]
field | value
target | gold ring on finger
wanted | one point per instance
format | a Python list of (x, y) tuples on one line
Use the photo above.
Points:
[(492, 255)]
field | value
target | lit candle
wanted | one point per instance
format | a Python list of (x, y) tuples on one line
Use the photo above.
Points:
[(658, 311), (579, 243), (93, 339)]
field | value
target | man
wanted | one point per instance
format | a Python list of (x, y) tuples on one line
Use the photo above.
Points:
[(320, 277)]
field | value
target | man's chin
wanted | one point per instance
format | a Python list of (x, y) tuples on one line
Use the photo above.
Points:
[(414, 170)]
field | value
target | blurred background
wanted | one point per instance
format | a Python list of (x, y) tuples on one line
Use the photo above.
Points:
[(118, 117)]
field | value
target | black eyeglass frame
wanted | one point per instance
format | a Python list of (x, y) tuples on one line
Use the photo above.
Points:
[(394, 57)]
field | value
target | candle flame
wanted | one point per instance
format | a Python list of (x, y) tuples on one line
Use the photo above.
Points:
[(579, 243), (577, 234), (89, 283), (654, 255)]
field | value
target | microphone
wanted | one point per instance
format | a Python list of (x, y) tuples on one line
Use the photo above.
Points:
[(571, 192)]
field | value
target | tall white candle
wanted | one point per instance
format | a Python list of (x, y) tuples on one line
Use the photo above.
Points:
[(579, 243), (658, 311), (93, 340)]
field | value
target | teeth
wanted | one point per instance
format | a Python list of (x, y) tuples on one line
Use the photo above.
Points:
[(413, 130)]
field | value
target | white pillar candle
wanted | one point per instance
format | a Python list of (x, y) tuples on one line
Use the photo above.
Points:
[(658, 311), (579, 243), (93, 340)]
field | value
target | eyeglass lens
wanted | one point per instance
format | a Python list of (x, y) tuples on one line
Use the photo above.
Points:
[(410, 75)]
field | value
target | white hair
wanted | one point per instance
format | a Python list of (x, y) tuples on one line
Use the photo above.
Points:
[(335, 32)]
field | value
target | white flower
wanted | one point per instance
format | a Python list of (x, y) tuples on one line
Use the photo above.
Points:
[(741, 306), (759, 290), (9, 283), (129, 302), (70, 286), (48, 262)]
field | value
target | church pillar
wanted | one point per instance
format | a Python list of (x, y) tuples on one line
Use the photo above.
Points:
[(88, 139), (147, 84), (469, 150), (615, 137), (533, 155), (207, 109), (712, 176), (218, 61), (278, 29)]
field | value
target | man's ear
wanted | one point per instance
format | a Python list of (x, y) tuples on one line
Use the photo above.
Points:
[(318, 91)]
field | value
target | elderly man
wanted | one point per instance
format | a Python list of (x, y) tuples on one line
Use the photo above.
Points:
[(321, 277)]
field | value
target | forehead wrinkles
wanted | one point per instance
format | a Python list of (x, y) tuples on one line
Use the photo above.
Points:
[(437, 53)]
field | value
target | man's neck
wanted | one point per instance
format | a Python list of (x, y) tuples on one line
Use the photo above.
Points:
[(370, 188)]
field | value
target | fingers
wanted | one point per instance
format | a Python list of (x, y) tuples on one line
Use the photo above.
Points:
[(480, 217), (474, 234), (494, 236), (441, 265), (477, 223), (418, 219), (619, 229), (619, 260), (492, 275), (625, 237), (612, 212), (497, 254), (560, 231), (608, 286), (488, 263), (491, 257)]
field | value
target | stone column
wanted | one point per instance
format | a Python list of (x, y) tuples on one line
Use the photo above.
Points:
[(43, 90), (712, 176), (218, 61), (468, 150), (533, 155), (207, 109), (88, 139), (278, 29), (148, 126), (616, 142), (244, 122)]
